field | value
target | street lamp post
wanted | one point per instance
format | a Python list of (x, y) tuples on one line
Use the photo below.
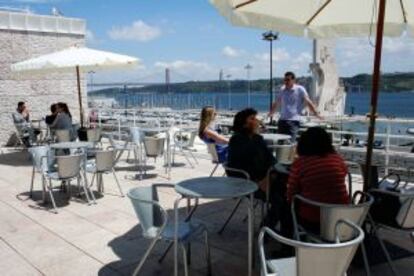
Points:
[(270, 36), (229, 92), (248, 67), (91, 73)]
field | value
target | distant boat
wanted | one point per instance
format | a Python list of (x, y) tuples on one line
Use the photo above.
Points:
[(410, 130)]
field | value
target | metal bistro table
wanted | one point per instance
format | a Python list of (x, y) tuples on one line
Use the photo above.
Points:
[(216, 188), (74, 146), (274, 138)]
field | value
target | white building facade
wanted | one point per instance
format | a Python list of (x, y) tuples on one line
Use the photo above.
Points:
[(24, 36)]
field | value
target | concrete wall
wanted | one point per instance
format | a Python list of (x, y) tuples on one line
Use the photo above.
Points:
[(39, 91)]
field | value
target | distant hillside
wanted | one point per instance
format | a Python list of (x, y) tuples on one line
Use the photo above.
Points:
[(390, 82)]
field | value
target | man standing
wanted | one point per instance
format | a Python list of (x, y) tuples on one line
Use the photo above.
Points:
[(291, 100)]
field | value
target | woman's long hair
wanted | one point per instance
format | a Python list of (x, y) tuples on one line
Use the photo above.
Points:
[(206, 116), (64, 107)]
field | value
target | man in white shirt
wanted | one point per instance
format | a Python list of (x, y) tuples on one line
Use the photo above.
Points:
[(291, 100)]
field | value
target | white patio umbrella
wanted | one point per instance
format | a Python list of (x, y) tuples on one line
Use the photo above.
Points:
[(329, 19), (77, 59)]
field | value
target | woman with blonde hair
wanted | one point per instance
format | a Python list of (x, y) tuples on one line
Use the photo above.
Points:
[(209, 135)]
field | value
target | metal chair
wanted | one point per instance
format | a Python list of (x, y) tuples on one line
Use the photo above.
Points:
[(137, 139), (62, 135), (104, 163), (284, 153), (404, 220), (330, 214), (156, 225), (327, 259), (94, 135), (180, 143), (236, 173), (154, 146), (211, 148), (68, 168), (40, 158)]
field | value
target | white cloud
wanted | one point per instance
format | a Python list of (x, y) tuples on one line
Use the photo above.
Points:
[(301, 62), (279, 55), (185, 70), (182, 65), (232, 52), (356, 55), (137, 31)]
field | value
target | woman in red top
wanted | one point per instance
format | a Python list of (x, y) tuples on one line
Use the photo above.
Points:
[(318, 174)]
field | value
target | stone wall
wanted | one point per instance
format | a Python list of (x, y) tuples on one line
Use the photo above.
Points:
[(39, 91)]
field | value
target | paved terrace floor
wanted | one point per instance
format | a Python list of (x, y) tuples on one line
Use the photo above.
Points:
[(105, 239)]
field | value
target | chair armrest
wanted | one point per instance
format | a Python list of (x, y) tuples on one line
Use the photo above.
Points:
[(230, 169)]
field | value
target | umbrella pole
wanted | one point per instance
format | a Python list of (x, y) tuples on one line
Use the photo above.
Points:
[(79, 96), (374, 93)]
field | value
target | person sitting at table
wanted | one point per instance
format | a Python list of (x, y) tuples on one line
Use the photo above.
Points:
[(208, 135), (21, 119), (49, 119), (63, 119), (317, 174), (247, 149)]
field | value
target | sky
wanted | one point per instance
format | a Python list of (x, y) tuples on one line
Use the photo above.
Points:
[(195, 42)]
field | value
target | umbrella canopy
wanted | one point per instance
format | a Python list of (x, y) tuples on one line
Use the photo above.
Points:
[(66, 60), (75, 59), (329, 19), (319, 18)]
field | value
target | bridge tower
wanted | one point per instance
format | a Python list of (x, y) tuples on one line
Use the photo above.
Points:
[(167, 80)]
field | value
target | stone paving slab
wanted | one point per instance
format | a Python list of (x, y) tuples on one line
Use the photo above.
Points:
[(105, 239)]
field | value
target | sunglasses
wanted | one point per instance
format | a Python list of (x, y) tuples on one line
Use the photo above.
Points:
[(287, 79)]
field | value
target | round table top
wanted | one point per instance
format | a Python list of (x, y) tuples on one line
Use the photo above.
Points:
[(216, 187), (275, 136), (71, 145)]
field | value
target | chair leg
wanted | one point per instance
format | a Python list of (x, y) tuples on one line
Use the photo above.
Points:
[(208, 256), (165, 252), (117, 183), (51, 196), (86, 189), (43, 188), (185, 259), (230, 216), (214, 170), (364, 256), (144, 258), (386, 253), (32, 183), (192, 155)]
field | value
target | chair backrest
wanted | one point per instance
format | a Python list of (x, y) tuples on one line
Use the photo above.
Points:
[(193, 135), (94, 135), (405, 216), (211, 148), (284, 153), (404, 198), (69, 165), (62, 135), (104, 160), (40, 158), (151, 215), (330, 214), (136, 135), (154, 146), (324, 259), (233, 172)]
